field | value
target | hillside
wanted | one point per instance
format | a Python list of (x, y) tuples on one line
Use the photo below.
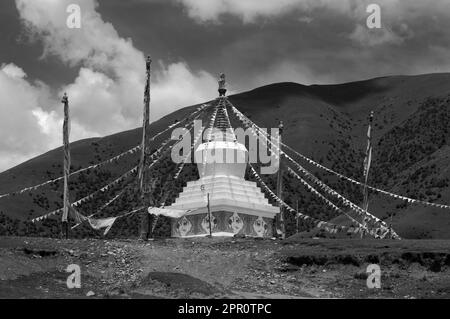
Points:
[(325, 122)]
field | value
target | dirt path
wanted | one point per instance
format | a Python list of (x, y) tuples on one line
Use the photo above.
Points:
[(241, 269), (221, 268)]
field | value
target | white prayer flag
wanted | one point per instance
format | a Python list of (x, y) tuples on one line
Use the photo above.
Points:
[(173, 213)]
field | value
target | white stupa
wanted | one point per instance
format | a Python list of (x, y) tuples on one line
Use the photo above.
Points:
[(237, 206)]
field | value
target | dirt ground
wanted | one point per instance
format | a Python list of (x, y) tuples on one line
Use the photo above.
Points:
[(223, 268)]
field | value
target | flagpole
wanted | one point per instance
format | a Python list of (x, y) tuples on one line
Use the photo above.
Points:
[(66, 150), (280, 183), (144, 182), (209, 217), (367, 162)]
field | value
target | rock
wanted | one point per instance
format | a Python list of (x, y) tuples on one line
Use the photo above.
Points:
[(90, 293)]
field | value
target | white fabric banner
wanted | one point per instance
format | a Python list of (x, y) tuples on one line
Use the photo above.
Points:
[(173, 213), (102, 223)]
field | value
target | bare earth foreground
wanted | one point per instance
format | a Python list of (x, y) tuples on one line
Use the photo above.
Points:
[(224, 268)]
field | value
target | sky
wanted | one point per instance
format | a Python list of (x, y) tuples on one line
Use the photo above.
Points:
[(101, 65)]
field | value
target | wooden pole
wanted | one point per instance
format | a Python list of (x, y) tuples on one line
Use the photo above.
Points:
[(298, 219), (280, 183), (367, 162), (209, 217), (144, 181), (66, 147)]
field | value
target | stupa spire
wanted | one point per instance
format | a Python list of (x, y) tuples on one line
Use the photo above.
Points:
[(222, 85)]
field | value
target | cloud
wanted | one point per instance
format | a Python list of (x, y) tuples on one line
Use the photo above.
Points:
[(278, 42), (401, 20), (187, 85), (250, 10), (106, 95), (371, 37), (22, 133)]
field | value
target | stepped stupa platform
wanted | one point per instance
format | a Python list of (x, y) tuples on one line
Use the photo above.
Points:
[(237, 207)]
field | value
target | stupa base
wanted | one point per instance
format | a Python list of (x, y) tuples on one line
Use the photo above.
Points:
[(223, 223)]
